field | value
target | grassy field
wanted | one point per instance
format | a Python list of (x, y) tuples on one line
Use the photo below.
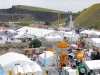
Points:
[(37, 8), (23, 23), (90, 17)]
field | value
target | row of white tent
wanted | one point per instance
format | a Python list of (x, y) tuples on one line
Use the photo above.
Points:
[(48, 35), (10, 61), (90, 33), (27, 69)]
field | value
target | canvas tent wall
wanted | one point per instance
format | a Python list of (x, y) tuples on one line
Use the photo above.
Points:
[(70, 72), (37, 69), (27, 69), (58, 38), (97, 34), (49, 38), (49, 58), (61, 33), (18, 69), (92, 65), (72, 38), (87, 33), (93, 42), (54, 38)]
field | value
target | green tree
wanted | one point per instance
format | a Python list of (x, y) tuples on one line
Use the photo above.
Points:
[(36, 43)]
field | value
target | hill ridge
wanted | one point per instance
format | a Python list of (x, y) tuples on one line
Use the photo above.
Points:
[(34, 8), (89, 17)]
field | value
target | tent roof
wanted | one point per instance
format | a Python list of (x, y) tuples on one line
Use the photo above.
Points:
[(48, 37), (36, 67), (97, 33), (96, 40), (69, 33), (12, 58), (58, 36), (48, 54), (27, 68), (88, 31), (93, 64), (36, 31)]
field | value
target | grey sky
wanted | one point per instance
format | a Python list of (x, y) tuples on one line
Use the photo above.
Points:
[(64, 5)]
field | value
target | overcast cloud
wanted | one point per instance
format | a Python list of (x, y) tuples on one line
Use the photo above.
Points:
[(64, 5)]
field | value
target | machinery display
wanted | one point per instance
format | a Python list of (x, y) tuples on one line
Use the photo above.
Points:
[(63, 54), (80, 54)]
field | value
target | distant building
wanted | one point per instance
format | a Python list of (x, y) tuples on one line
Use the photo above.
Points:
[(71, 23)]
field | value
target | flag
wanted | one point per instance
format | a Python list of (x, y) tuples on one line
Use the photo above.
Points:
[(1, 70), (44, 61)]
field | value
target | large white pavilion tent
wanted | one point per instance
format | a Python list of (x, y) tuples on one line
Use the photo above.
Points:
[(9, 60), (35, 31)]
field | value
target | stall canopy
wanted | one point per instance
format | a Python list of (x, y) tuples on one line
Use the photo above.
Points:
[(93, 41), (27, 68), (49, 58), (92, 65), (36, 69)]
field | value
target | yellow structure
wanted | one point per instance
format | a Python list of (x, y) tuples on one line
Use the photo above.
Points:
[(51, 49), (62, 44), (19, 73), (80, 55), (10, 73), (63, 58), (3, 28), (63, 54), (59, 18), (60, 26), (45, 73)]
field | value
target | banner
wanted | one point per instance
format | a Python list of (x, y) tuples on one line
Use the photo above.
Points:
[(1, 70), (44, 61)]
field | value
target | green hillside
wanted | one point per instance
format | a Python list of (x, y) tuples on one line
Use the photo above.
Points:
[(37, 8), (90, 17)]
